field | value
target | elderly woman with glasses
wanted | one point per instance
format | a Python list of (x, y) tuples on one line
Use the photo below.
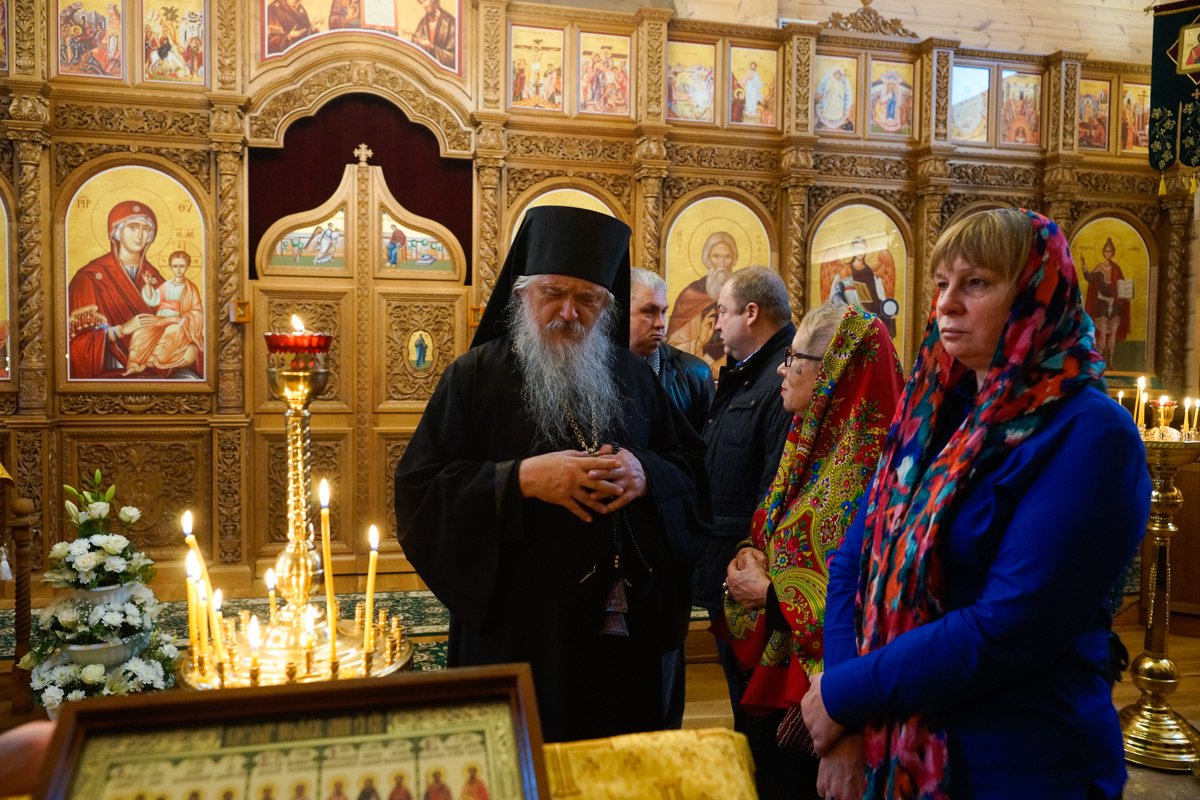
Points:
[(841, 380), (966, 637)]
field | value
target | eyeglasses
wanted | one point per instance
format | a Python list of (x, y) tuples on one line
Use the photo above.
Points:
[(789, 357)]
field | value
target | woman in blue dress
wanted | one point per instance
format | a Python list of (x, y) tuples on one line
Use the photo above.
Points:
[(966, 641)]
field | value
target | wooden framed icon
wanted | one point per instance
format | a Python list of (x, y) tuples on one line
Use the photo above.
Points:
[(474, 730)]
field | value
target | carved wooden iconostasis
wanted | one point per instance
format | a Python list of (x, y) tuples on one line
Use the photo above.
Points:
[(820, 151)]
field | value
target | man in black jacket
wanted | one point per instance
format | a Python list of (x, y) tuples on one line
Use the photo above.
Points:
[(747, 425), (687, 379), (689, 383)]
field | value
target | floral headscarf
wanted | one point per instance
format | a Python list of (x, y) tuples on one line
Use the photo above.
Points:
[(1046, 355), (827, 462)]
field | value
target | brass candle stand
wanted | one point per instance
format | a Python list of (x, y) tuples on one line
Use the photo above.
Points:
[(293, 648), (1155, 735)]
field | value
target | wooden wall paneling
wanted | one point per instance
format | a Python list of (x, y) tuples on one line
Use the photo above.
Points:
[(389, 446), (401, 386), (162, 469)]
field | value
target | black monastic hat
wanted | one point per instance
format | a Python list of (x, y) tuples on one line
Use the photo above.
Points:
[(560, 240)]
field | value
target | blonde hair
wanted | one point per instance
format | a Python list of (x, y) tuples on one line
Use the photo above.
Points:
[(997, 240)]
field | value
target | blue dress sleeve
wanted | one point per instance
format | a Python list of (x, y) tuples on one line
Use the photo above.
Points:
[(841, 635), (1073, 530)]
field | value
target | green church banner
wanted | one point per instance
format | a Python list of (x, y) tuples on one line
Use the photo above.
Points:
[(1175, 86)]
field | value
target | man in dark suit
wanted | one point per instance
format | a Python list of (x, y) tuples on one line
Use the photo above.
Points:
[(689, 384)]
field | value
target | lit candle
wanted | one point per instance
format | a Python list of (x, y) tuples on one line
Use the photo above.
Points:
[(214, 611), (1137, 401), (271, 594), (1121, 399), (1187, 405), (330, 605), (193, 576), (186, 524), (253, 638), (1142, 410), (202, 618), (368, 628)]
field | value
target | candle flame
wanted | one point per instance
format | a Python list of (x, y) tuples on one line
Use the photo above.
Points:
[(270, 578), (373, 535), (1142, 382), (323, 491), (1120, 397), (216, 601), (1145, 397), (253, 636), (193, 566), (1162, 401), (297, 324), (187, 523)]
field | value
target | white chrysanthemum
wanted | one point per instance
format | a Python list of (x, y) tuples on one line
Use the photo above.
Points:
[(86, 577), (129, 515), (132, 611), (170, 650), (92, 673), (76, 695), (140, 670), (79, 547), (115, 564), (87, 561), (37, 680), (98, 510), (62, 674), (60, 551), (68, 616), (46, 617), (112, 618), (140, 592), (153, 609), (115, 543), (52, 697), (96, 615)]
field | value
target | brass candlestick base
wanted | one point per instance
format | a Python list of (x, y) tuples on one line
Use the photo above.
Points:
[(1156, 736)]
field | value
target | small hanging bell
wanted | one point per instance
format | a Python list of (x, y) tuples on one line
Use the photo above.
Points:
[(614, 625), (616, 598)]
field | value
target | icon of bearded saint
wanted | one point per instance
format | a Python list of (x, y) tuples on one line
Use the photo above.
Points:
[(867, 280)]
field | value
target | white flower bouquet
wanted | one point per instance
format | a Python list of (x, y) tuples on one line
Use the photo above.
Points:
[(98, 557), (56, 679), (72, 621)]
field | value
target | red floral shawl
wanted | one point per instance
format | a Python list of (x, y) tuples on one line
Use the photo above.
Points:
[(827, 462)]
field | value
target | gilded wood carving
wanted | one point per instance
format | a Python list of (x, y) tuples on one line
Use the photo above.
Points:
[(664, 137)]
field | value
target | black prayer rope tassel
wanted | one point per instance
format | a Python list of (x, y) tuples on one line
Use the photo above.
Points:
[(617, 604)]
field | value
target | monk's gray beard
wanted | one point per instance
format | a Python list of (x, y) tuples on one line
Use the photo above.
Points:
[(575, 374)]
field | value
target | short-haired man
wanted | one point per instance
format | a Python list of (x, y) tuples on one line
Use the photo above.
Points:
[(552, 497), (689, 384), (747, 425), (687, 379)]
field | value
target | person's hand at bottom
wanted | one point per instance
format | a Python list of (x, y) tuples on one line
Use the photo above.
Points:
[(822, 727), (22, 751), (842, 774)]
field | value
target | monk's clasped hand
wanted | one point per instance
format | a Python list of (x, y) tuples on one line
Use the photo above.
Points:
[(570, 478)]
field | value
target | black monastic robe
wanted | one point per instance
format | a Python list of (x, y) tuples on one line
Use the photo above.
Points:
[(527, 581)]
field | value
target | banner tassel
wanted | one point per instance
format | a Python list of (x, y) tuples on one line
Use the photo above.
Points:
[(1162, 183), (1193, 186)]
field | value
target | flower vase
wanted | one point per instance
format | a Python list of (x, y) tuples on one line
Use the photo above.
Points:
[(106, 594), (108, 654)]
